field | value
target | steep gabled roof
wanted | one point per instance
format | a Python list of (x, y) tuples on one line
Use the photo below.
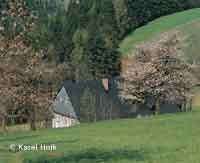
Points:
[(63, 105)]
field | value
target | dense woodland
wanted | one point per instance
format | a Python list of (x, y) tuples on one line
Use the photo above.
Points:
[(76, 40), (86, 34)]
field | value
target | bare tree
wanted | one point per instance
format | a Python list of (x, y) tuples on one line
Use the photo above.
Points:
[(21, 80), (21, 68), (158, 71), (25, 76)]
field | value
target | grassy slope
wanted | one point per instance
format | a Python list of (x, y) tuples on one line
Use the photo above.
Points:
[(164, 139), (156, 27)]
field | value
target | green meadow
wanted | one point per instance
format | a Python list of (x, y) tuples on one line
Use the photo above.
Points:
[(162, 139)]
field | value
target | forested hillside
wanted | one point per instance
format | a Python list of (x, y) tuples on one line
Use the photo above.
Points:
[(89, 41)]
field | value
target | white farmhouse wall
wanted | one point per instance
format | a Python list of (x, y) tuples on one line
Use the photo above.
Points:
[(60, 121)]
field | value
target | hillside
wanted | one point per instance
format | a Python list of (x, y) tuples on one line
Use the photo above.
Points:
[(168, 138), (181, 20)]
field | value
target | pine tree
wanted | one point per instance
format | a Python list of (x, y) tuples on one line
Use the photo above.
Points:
[(122, 17), (102, 60), (101, 49)]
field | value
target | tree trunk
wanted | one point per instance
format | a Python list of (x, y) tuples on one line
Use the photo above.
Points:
[(157, 111), (180, 107), (95, 116), (3, 125), (185, 106), (33, 120), (190, 104), (88, 117), (111, 111), (47, 123)]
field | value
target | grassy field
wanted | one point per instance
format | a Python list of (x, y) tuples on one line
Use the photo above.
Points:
[(163, 139), (156, 27)]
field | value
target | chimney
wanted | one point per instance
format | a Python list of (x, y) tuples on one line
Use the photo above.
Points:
[(105, 83)]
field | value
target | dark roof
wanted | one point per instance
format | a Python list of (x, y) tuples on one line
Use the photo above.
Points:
[(63, 105), (105, 101), (75, 91)]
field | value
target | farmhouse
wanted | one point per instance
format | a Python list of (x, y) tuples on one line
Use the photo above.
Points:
[(64, 114), (96, 100)]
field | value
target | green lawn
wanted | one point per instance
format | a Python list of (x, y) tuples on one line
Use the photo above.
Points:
[(156, 27), (164, 139)]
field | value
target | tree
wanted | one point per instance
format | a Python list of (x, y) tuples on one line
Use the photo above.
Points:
[(71, 39), (103, 61), (79, 58), (21, 68), (157, 71), (59, 22), (22, 76), (94, 36), (103, 57), (122, 17)]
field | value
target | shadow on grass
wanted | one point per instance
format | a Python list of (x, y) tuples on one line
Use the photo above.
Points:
[(93, 156), (62, 142), (18, 138)]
